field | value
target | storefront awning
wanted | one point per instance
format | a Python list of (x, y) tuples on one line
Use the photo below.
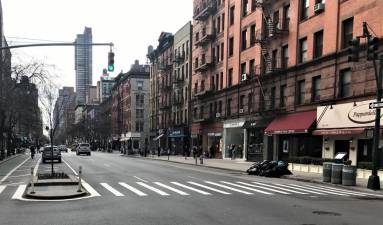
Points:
[(158, 137), (336, 132), (292, 124)]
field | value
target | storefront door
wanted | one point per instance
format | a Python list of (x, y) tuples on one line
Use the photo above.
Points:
[(364, 150)]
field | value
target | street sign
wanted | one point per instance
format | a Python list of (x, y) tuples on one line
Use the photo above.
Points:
[(375, 105)]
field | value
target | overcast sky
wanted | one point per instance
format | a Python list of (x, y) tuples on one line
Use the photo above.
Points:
[(130, 25)]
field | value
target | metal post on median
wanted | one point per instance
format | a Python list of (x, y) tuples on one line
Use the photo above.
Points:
[(195, 160), (32, 182), (201, 158), (79, 179)]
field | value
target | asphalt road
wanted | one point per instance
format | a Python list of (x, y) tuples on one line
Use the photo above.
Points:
[(140, 191)]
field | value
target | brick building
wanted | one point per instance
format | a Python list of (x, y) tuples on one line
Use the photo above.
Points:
[(282, 65)]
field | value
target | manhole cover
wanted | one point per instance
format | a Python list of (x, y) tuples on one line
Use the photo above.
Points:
[(327, 213)]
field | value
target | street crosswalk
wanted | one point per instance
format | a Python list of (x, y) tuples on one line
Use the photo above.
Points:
[(210, 188)]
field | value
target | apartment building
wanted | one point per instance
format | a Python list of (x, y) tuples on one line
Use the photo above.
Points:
[(281, 86)]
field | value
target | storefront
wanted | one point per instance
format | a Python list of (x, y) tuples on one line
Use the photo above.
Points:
[(292, 137), (214, 143), (179, 140), (233, 139), (255, 148), (347, 128), (161, 140)]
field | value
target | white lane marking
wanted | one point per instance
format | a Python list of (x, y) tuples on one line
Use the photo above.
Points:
[(300, 189), (132, 189), (171, 188), (209, 188), (111, 189), (230, 188), (19, 192), (357, 192), (251, 189), (342, 192), (74, 171), (158, 191), (266, 188), (280, 188), (23, 170), (14, 169), (90, 189), (24, 175), (190, 188), (140, 179), (316, 189), (2, 187), (36, 167)]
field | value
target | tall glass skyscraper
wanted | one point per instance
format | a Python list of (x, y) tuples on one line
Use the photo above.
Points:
[(83, 64)]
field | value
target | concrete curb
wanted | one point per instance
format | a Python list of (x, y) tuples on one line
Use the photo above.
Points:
[(55, 197), (198, 165), (10, 158)]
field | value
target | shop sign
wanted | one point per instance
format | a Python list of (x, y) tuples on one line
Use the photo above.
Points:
[(233, 124), (347, 115), (214, 134)]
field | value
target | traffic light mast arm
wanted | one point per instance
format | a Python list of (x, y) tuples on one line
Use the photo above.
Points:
[(56, 44)]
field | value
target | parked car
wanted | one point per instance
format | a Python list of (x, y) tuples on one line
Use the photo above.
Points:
[(63, 148), (47, 154), (83, 148)]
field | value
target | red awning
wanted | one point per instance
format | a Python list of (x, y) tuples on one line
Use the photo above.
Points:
[(293, 123), (335, 132)]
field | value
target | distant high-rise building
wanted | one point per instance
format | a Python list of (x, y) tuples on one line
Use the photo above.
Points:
[(83, 64)]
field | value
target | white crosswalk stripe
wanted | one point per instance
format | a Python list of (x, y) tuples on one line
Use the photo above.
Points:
[(111, 189), (132, 189), (230, 188), (2, 187), (280, 188), (191, 188), (251, 189), (171, 188), (158, 191), (315, 189), (265, 188), (356, 192), (300, 189), (336, 191), (209, 188)]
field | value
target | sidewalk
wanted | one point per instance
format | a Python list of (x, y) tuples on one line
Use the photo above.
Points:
[(242, 166)]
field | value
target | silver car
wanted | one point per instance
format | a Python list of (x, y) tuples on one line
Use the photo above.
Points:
[(47, 154), (83, 148)]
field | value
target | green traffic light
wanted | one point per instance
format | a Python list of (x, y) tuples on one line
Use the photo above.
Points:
[(110, 68)]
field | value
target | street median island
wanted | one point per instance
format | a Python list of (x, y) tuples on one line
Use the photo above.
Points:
[(59, 186)]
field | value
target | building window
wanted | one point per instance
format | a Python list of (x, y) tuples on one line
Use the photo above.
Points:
[(304, 9), (245, 5), (196, 63), (195, 113), (216, 81), (211, 110), (303, 50), (187, 70), (139, 113), (218, 24), (254, 5), (318, 44), (231, 46), (230, 78), (244, 39), (286, 17), (345, 83), (285, 56), (220, 107), (222, 47), (315, 96), (202, 85), (243, 68), (223, 21), (252, 34), (228, 107), (250, 102), (232, 15), (301, 92), (274, 59), (347, 34), (221, 84), (252, 68), (241, 101), (201, 113), (139, 126), (276, 19), (140, 100), (140, 85), (272, 98), (197, 37), (212, 84), (283, 96)]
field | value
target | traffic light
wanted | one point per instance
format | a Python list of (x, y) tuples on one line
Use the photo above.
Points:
[(372, 47), (353, 50), (111, 61)]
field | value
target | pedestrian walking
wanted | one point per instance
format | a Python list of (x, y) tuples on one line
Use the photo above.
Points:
[(159, 151), (33, 151), (233, 152)]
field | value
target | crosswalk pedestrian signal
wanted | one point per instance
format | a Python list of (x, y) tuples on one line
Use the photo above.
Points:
[(353, 50), (111, 61), (372, 47)]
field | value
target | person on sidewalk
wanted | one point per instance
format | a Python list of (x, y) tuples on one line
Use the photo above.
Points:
[(33, 151), (159, 151), (233, 152)]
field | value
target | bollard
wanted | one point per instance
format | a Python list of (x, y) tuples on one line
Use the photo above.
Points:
[(32, 184), (201, 159), (195, 160), (79, 179)]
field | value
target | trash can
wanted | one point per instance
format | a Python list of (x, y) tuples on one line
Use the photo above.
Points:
[(349, 175), (336, 173), (327, 168)]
